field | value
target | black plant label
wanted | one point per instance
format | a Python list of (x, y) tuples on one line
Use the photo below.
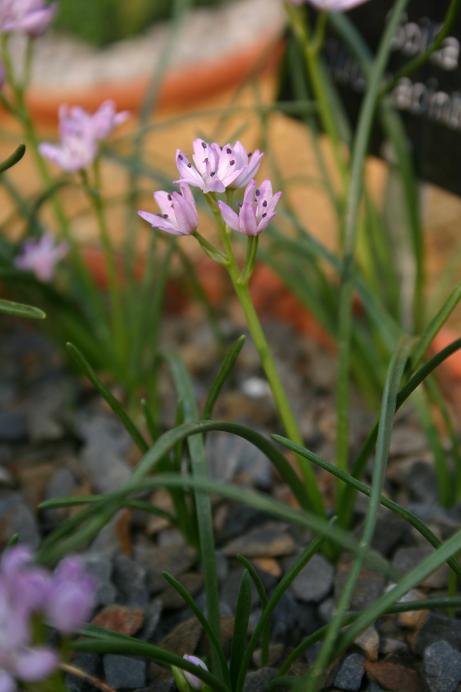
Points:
[(428, 100)]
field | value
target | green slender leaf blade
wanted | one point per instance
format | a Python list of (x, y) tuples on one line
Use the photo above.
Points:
[(436, 324), (12, 160), (242, 617), (222, 375), (9, 307), (115, 405)]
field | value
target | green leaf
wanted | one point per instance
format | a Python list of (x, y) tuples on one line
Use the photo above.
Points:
[(222, 375), (12, 160), (190, 601), (115, 405), (8, 307), (129, 646), (241, 620), (365, 489), (436, 324)]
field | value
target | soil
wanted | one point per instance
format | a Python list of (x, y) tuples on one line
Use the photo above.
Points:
[(58, 438)]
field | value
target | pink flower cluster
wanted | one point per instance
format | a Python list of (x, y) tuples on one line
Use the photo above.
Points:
[(40, 257), (32, 17), (214, 169), (64, 599), (81, 133)]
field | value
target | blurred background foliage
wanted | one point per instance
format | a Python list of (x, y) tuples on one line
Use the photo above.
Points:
[(101, 22)]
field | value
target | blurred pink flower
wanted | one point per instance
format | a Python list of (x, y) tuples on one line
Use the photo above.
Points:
[(178, 212), (41, 256), (330, 5), (81, 133), (217, 168), (64, 599), (28, 16), (257, 210), (192, 679), (70, 597)]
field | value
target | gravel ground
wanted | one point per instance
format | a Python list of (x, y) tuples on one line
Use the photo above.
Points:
[(63, 62), (57, 439)]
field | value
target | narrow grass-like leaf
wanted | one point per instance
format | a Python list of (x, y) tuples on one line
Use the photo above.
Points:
[(222, 375), (115, 405), (203, 509), (269, 607), (129, 646), (12, 160), (442, 471), (262, 593), (241, 620), (347, 501), (435, 325), (149, 420), (365, 489), (443, 602), (190, 601), (9, 307), (409, 581), (392, 385)]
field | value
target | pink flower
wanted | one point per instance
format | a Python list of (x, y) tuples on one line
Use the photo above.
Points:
[(41, 256), (257, 210), (64, 599), (70, 597), (81, 133), (193, 680), (178, 212), (217, 168), (330, 5), (29, 16)]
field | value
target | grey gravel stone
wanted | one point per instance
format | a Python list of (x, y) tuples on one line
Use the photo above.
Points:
[(129, 578), (436, 628), (100, 568), (13, 427), (46, 422), (315, 581), (17, 518), (104, 451), (350, 673), (89, 663), (258, 681), (442, 667), (124, 672)]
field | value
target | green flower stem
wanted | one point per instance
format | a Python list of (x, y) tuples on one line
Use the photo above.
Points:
[(240, 282), (350, 234), (311, 48), (95, 198)]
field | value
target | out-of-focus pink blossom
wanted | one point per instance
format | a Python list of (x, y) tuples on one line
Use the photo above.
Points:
[(330, 5), (63, 599), (81, 133), (257, 210), (178, 212), (32, 17), (192, 679), (70, 597), (41, 256)]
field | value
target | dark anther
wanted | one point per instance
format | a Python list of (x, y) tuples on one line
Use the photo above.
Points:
[(257, 193), (212, 173), (263, 215), (203, 145), (189, 165), (228, 150), (232, 163), (165, 216), (180, 157), (170, 197), (265, 203)]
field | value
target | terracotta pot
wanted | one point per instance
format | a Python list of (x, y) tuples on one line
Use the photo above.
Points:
[(181, 87)]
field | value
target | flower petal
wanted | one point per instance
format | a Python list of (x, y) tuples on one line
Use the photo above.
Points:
[(229, 216), (34, 664)]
